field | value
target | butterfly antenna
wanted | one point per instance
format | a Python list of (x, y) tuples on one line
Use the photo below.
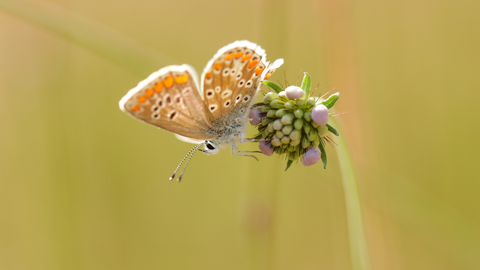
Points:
[(190, 153), (185, 168)]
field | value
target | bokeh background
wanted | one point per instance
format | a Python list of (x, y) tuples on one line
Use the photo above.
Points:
[(84, 186)]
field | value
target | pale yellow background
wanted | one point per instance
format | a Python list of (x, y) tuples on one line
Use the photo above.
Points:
[(84, 186)]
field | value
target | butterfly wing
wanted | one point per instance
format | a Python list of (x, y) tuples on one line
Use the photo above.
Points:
[(169, 99), (232, 78)]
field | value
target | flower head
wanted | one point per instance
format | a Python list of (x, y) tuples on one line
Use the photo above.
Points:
[(294, 123)]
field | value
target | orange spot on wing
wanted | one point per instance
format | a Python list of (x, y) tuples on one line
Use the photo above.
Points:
[(267, 76), (238, 55), (252, 63), (168, 82), (149, 92), (135, 108), (258, 71), (158, 86), (228, 57), (141, 99), (208, 75), (185, 78), (246, 57), (218, 65), (181, 79)]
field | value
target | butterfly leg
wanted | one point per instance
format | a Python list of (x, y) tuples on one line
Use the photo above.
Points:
[(243, 140), (239, 153)]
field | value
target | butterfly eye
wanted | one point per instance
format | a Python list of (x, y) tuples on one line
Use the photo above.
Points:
[(210, 148), (209, 145)]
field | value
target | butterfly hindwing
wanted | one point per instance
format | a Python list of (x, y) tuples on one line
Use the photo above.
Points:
[(169, 99), (232, 78)]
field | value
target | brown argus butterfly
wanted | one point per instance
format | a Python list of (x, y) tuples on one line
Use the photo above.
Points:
[(213, 115)]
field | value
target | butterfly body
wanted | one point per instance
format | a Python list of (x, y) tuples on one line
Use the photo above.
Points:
[(217, 111)]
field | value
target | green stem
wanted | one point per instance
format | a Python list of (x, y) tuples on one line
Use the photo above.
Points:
[(114, 46), (356, 231)]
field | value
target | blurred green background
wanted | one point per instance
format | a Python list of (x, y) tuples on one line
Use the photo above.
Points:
[(84, 186)]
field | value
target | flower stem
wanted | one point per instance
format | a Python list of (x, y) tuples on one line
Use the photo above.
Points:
[(356, 231)]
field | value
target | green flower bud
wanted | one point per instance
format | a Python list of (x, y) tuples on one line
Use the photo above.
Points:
[(270, 128), (279, 134), (307, 115), (282, 95), (311, 101), (307, 127), (277, 103), (277, 124), (288, 119), (265, 108), (312, 135), (287, 129), (271, 113), (298, 113), (316, 142), (300, 102), (265, 133), (276, 142), (280, 113), (305, 142), (298, 124), (294, 142), (295, 134), (314, 125), (322, 131), (289, 105), (269, 97), (266, 121), (285, 140)]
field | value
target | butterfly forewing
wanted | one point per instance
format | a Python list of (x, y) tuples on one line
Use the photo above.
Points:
[(169, 99)]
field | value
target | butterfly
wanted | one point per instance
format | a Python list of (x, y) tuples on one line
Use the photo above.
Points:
[(213, 115)]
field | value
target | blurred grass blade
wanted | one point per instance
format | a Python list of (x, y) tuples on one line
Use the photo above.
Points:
[(114, 46), (356, 231)]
